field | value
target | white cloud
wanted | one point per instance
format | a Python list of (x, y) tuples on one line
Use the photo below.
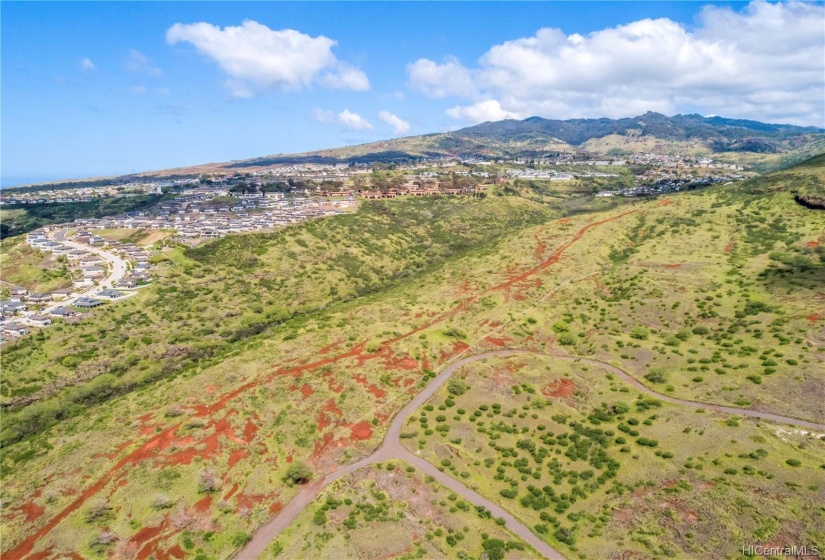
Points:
[(140, 64), (488, 110), (138, 89), (257, 58), (87, 64), (764, 62), (440, 80), (345, 118), (399, 125)]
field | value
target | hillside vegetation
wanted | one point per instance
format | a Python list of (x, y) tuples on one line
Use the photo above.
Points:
[(712, 296), (21, 219), (216, 296)]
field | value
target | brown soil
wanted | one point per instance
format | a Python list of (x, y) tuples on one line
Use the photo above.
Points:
[(361, 431), (307, 391), (558, 388), (729, 247)]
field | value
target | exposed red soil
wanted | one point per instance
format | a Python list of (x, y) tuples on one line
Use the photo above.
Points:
[(665, 202), (324, 419), (558, 388), (249, 501), (729, 247), (564, 221), (519, 297), (376, 391), (211, 389), (176, 552), (495, 324), (32, 510), (813, 244), (500, 342), (237, 455), (231, 491), (275, 507), (406, 363), (146, 538), (676, 265), (333, 384), (290, 458), (361, 431), (813, 317), (307, 391), (458, 347), (165, 438), (204, 504)]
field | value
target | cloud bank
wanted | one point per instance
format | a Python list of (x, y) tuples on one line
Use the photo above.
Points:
[(764, 62), (257, 58), (345, 118)]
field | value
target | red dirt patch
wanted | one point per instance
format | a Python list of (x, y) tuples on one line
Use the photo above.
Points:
[(813, 244), (361, 431), (323, 419), (275, 507), (204, 504), (665, 202), (677, 265), (813, 318), (376, 391), (307, 391), (729, 247), (458, 347), (32, 511), (236, 456), (558, 388)]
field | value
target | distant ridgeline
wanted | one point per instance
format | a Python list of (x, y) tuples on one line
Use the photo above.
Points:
[(536, 135)]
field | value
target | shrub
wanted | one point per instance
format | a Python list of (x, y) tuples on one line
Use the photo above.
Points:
[(639, 333), (656, 376), (298, 473), (793, 462)]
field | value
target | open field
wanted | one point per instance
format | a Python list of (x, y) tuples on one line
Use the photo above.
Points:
[(201, 394), (604, 472), (414, 516)]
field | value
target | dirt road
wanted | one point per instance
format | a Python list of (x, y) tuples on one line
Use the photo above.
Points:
[(391, 448)]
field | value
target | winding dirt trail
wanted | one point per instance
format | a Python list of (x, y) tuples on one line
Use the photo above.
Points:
[(391, 448)]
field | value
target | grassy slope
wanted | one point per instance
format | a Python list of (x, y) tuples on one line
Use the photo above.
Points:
[(225, 292), (572, 468), (24, 266), (307, 388), (415, 517)]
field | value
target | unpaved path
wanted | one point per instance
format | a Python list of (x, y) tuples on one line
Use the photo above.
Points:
[(391, 448)]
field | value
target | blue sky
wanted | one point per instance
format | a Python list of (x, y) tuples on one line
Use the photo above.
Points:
[(108, 88)]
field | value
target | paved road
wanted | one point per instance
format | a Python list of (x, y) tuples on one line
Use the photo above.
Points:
[(391, 448), (117, 271)]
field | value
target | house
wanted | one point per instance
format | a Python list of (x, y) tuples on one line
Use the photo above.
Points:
[(39, 320), (126, 283), (93, 271), (39, 298), (110, 294), (15, 330), (88, 303), (62, 293), (13, 307), (62, 312), (83, 282)]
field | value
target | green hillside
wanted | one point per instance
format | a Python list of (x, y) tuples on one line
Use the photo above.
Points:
[(184, 419)]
